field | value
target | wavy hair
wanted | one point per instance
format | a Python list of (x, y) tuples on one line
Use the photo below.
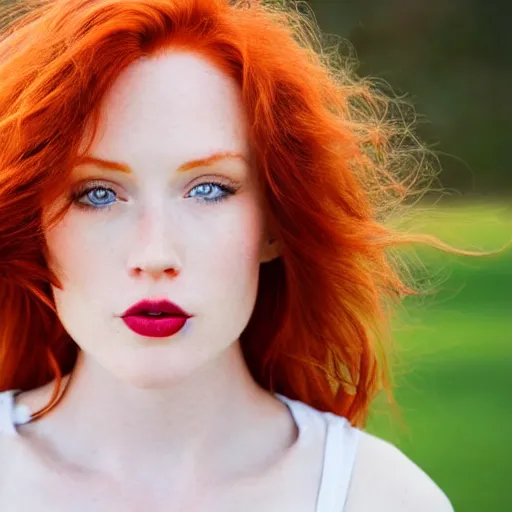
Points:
[(335, 154)]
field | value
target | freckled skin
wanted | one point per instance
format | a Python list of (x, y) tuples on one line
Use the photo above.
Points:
[(160, 238)]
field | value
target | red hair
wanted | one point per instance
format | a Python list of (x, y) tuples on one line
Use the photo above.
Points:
[(334, 160)]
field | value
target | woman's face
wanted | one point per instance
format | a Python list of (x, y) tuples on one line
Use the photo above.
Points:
[(182, 221)]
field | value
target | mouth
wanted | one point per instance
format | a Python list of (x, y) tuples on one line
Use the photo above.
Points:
[(154, 314), (155, 319)]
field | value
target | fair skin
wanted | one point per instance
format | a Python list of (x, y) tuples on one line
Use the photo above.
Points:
[(173, 424)]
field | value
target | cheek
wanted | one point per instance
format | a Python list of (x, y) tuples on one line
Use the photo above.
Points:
[(80, 252), (224, 274), (75, 251), (235, 249)]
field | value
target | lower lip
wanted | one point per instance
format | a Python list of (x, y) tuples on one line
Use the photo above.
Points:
[(155, 327)]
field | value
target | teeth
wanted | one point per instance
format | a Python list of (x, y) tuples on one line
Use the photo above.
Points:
[(153, 313)]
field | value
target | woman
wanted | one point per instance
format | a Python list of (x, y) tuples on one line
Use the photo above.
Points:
[(194, 267)]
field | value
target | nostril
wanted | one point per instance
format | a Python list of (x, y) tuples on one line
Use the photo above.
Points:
[(169, 272)]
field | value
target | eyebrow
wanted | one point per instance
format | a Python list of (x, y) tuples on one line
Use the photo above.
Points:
[(187, 166)]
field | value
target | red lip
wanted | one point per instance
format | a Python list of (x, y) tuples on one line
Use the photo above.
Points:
[(138, 318)]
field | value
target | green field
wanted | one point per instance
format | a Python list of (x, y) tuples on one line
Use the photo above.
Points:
[(454, 378)]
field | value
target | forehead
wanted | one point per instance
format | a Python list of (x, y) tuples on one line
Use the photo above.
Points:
[(176, 106)]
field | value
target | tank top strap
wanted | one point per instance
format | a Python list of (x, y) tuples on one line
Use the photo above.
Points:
[(10, 414), (6, 412), (339, 446), (339, 458)]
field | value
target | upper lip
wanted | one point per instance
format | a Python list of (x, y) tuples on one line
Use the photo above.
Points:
[(155, 306)]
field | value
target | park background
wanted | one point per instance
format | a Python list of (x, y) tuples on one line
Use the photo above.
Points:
[(453, 60)]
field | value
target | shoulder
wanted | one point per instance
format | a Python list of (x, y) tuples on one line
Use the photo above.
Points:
[(385, 479)]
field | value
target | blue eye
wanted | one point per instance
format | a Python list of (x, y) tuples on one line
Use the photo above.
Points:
[(211, 192), (97, 197)]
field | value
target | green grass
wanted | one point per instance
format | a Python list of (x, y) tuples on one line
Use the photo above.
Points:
[(454, 378)]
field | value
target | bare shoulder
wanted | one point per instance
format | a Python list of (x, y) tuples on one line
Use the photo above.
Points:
[(385, 479)]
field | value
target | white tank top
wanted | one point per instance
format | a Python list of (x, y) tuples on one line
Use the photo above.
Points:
[(340, 444)]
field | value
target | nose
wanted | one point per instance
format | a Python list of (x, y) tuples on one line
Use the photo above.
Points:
[(153, 253)]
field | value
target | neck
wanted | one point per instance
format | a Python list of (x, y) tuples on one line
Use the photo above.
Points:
[(211, 423)]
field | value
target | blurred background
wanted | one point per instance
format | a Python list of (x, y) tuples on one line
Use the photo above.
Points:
[(453, 60)]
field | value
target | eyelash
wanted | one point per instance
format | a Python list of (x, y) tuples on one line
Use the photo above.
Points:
[(228, 189)]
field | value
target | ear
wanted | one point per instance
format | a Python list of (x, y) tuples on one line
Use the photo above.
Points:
[(270, 250)]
